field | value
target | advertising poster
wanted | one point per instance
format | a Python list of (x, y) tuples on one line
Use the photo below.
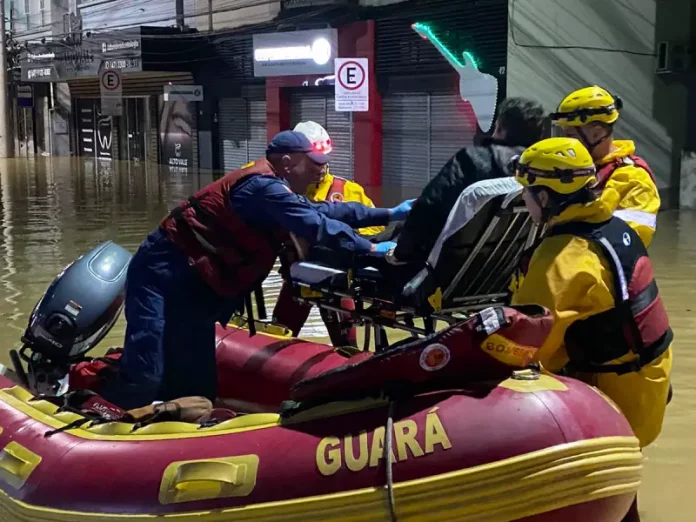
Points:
[(176, 129)]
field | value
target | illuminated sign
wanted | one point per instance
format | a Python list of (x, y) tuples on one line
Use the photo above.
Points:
[(319, 52), (476, 87), (292, 53)]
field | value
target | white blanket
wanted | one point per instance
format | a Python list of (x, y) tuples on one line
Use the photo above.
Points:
[(470, 202)]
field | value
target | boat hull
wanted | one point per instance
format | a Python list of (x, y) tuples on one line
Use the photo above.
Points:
[(512, 450), (256, 373)]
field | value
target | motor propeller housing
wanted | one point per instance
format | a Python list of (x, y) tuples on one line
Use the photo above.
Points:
[(79, 308)]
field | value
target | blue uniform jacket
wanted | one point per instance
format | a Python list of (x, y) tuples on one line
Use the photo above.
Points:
[(266, 202)]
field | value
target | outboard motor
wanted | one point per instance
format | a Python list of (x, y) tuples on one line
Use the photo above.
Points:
[(79, 308)]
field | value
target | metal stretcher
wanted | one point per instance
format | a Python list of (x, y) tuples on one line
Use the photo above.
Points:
[(468, 269)]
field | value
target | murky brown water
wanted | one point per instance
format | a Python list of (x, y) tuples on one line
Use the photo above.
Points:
[(53, 209)]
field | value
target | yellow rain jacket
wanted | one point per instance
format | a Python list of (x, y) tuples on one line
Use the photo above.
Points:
[(352, 192), (638, 199), (629, 194), (569, 276)]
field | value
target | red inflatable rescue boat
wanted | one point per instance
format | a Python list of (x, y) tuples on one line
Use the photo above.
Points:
[(470, 431)]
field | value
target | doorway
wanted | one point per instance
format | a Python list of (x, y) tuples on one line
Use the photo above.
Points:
[(133, 129)]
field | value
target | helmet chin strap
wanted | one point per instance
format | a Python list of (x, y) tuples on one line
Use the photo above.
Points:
[(553, 209), (587, 143)]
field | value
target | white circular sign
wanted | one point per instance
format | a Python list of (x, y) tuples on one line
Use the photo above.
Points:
[(321, 51), (351, 75), (434, 357), (110, 80)]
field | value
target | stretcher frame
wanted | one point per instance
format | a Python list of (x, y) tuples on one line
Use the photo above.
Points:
[(486, 284)]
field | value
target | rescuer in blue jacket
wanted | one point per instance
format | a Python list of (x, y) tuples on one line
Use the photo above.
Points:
[(207, 256)]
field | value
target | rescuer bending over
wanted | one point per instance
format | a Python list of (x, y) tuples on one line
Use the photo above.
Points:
[(210, 252)]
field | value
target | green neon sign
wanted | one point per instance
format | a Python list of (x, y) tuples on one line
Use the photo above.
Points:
[(426, 32), (478, 88)]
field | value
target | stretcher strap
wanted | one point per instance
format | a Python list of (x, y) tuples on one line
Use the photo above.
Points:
[(389, 443)]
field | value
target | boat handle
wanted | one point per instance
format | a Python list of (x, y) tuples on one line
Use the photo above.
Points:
[(209, 479), (17, 463), (221, 472)]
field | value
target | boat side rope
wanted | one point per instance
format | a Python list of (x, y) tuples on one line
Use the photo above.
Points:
[(389, 443)]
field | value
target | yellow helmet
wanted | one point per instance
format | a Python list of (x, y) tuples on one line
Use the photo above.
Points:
[(587, 105), (562, 164)]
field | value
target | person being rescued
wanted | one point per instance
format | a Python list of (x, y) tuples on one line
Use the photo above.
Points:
[(520, 123), (589, 115), (209, 253), (289, 312), (592, 271)]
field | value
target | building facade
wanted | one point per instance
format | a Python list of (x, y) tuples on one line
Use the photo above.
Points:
[(421, 54)]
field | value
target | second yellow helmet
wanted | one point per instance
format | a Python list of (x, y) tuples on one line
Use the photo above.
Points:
[(587, 105), (562, 164)]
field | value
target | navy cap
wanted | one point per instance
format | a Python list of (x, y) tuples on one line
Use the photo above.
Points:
[(291, 142)]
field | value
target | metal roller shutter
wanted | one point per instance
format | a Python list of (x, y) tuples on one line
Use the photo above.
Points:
[(258, 140), (422, 131), (242, 124), (449, 129), (233, 132), (339, 125), (320, 107), (305, 107), (405, 140)]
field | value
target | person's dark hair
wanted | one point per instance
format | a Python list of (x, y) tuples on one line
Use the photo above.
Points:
[(524, 121)]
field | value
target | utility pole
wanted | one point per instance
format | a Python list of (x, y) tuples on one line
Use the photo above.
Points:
[(179, 10), (4, 98)]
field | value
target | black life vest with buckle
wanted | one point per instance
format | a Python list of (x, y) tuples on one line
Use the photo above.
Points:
[(638, 323), (232, 257)]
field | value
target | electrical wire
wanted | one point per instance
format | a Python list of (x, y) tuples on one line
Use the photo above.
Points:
[(218, 37), (511, 22), (223, 7)]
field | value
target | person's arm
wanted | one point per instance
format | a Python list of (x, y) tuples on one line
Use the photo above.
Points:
[(265, 202), (568, 278), (354, 192), (634, 198), (352, 213)]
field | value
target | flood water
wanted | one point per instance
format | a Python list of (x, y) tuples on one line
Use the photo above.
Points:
[(54, 209)]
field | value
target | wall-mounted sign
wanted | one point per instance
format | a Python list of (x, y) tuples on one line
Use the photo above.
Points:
[(176, 129), (25, 96), (84, 57), (352, 85), (183, 93), (293, 53), (111, 87), (127, 45)]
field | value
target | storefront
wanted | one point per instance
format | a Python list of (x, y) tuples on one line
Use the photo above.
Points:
[(147, 123), (425, 120), (242, 127), (298, 67)]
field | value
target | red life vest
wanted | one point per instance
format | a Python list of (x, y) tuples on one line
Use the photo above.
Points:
[(90, 374), (605, 171), (336, 191), (230, 255), (638, 322)]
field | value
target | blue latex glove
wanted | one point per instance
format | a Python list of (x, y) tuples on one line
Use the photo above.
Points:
[(400, 212), (382, 249)]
